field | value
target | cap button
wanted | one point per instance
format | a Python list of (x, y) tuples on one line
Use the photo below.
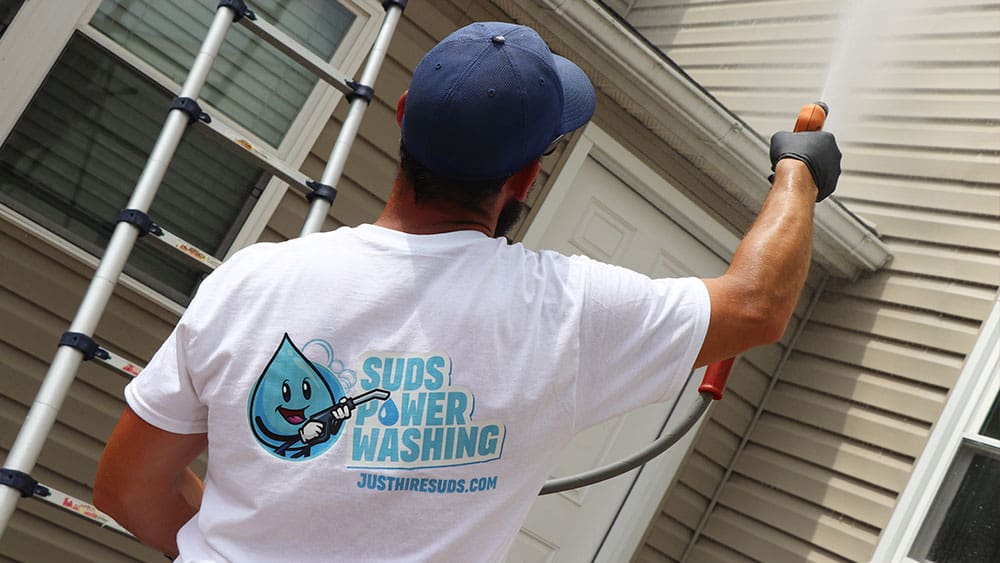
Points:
[(498, 39)]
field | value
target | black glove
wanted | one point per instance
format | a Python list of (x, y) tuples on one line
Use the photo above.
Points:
[(818, 149)]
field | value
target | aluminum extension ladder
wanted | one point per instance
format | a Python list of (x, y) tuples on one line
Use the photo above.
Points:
[(77, 344)]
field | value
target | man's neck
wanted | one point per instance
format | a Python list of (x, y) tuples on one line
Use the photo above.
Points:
[(403, 213)]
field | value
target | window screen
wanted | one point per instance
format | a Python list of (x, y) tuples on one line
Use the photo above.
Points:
[(963, 523), (970, 531), (251, 82), (77, 151)]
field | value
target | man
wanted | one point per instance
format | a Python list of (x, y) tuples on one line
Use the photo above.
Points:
[(399, 391)]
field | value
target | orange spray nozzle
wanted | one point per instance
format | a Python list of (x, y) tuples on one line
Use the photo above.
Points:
[(811, 117)]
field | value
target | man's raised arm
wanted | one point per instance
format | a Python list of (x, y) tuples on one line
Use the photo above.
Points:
[(754, 300)]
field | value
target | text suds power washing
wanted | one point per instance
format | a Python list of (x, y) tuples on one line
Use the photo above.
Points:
[(406, 413)]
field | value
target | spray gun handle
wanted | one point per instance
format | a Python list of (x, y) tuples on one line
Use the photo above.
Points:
[(716, 375)]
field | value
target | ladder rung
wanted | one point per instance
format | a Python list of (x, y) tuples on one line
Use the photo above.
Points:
[(82, 509), (300, 54), (268, 160), (120, 365), (189, 250)]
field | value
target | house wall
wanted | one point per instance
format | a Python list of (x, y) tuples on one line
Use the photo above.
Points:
[(835, 441), (43, 278)]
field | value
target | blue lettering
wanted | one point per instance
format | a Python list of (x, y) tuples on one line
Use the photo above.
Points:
[(488, 439), (370, 367), (413, 409), (434, 408), (414, 374), (392, 379), (432, 443), (436, 379), (412, 447), (457, 402), (466, 441), (364, 444), (390, 445), (449, 442), (364, 411)]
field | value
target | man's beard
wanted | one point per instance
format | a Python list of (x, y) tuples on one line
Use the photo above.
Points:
[(510, 215)]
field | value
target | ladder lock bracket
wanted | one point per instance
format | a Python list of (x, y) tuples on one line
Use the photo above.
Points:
[(141, 220), (85, 344), (22, 482), (386, 4), (240, 8), (191, 108), (321, 191), (360, 91)]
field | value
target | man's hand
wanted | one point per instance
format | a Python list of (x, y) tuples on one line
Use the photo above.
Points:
[(818, 149)]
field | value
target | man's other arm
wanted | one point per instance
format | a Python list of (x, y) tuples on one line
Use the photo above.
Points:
[(144, 482)]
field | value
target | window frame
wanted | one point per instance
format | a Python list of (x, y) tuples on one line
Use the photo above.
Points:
[(979, 385), (41, 31)]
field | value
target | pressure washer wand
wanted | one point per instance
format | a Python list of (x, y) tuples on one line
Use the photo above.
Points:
[(811, 118)]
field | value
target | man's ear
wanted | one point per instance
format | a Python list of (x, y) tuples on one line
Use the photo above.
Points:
[(519, 184), (399, 108)]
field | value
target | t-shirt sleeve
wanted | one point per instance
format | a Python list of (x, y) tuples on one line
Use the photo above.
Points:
[(639, 339), (164, 394)]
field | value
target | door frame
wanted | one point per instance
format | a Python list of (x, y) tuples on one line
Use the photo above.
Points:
[(648, 489)]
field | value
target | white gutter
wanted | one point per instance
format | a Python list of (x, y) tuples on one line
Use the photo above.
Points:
[(637, 76)]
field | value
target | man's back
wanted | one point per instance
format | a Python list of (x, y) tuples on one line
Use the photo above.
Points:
[(483, 349)]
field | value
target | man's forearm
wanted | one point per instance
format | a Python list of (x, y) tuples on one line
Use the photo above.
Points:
[(775, 254), (159, 514), (145, 483)]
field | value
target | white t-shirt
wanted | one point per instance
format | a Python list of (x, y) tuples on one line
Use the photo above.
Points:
[(493, 356)]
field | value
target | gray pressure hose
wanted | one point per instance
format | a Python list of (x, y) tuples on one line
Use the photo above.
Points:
[(711, 388)]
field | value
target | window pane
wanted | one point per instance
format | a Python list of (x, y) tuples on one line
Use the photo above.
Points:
[(75, 155), (251, 82), (970, 531), (8, 9), (991, 427)]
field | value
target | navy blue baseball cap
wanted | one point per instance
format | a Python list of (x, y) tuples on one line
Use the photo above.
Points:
[(489, 99)]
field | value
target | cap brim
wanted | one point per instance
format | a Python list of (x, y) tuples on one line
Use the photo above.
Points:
[(578, 95)]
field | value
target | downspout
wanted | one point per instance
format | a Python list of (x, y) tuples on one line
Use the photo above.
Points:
[(775, 377)]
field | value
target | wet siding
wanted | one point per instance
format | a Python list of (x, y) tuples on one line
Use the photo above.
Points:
[(853, 406)]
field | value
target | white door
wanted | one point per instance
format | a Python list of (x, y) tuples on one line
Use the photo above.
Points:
[(602, 216)]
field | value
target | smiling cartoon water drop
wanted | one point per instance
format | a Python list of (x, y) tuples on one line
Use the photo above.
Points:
[(287, 396)]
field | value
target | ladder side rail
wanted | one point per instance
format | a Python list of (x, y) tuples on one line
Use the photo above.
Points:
[(42, 414), (324, 193)]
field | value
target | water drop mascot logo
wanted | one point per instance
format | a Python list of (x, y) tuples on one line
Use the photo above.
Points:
[(297, 406)]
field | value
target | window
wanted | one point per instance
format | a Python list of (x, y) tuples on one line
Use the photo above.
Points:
[(964, 521), (75, 154), (252, 82), (8, 9), (950, 510)]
